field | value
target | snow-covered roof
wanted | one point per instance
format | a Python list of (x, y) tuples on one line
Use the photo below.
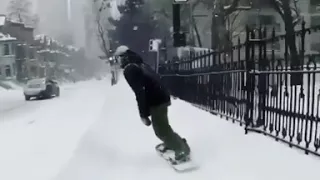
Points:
[(2, 20), (50, 40), (16, 22), (6, 37), (52, 51), (39, 36), (72, 48)]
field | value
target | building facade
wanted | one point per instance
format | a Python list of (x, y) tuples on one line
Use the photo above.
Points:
[(264, 14), (26, 60), (7, 57)]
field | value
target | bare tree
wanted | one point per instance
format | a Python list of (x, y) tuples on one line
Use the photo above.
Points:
[(34, 20), (234, 26), (288, 10), (20, 11), (221, 31), (163, 9), (99, 6), (290, 14)]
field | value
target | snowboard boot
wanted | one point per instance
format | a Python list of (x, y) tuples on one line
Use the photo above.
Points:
[(184, 155), (163, 148)]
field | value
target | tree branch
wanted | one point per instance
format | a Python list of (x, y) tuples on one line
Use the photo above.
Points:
[(163, 12), (101, 30), (235, 17), (295, 9), (277, 6), (228, 9), (19, 10)]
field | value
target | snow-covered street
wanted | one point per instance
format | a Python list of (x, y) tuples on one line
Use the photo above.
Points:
[(93, 131), (38, 137)]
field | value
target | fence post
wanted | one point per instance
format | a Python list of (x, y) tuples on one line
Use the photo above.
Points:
[(249, 87)]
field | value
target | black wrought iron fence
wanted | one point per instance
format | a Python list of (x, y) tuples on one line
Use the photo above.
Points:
[(257, 85)]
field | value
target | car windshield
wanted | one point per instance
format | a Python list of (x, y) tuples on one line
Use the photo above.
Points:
[(34, 85), (36, 81)]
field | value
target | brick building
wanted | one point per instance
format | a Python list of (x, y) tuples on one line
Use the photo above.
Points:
[(26, 60)]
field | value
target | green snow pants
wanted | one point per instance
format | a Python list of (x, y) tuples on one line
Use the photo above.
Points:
[(162, 129)]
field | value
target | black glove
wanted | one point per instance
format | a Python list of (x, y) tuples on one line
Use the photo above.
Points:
[(146, 121)]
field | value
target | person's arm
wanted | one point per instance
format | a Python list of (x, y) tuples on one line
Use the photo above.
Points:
[(134, 76)]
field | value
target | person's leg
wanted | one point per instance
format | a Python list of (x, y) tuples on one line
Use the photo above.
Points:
[(162, 129)]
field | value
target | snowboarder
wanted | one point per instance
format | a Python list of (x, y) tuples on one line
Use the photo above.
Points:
[(153, 100)]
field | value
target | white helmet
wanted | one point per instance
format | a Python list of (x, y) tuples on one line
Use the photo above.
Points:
[(121, 50)]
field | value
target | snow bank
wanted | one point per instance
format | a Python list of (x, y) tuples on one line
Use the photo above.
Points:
[(6, 37), (112, 146), (10, 85), (38, 137), (14, 85)]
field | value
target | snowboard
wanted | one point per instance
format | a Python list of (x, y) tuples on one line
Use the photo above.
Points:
[(169, 156)]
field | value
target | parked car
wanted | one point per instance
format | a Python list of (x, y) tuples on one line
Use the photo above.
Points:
[(41, 88)]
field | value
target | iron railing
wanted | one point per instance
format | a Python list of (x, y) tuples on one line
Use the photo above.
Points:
[(256, 85)]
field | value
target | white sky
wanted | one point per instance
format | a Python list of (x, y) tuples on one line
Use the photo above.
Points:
[(47, 26), (4, 5), (114, 10)]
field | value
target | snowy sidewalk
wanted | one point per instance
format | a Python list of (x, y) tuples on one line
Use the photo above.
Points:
[(119, 147)]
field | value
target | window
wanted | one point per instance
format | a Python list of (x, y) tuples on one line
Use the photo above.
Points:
[(13, 49), (314, 40), (315, 47), (266, 19), (19, 52), (34, 70), (314, 2), (315, 20), (8, 70), (14, 68), (31, 54), (314, 6), (6, 49)]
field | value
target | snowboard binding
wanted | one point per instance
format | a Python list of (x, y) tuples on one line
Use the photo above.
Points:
[(184, 164), (178, 158)]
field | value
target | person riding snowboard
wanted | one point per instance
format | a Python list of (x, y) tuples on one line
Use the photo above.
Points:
[(153, 100)]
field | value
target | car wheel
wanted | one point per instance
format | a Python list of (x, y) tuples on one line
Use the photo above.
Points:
[(48, 92), (40, 97), (58, 92), (27, 98)]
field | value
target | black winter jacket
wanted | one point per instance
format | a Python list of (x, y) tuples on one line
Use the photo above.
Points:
[(146, 85)]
